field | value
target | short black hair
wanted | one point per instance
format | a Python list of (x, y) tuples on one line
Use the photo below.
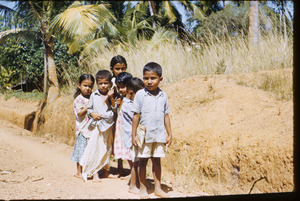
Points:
[(123, 78), (101, 74), (134, 84), (152, 66), (117, 59)]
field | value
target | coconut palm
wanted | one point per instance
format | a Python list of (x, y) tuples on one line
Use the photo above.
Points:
[(253, 24), (80, 26), (136, 23), (48, 19)]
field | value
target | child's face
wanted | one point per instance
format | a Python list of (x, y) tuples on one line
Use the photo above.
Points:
[(103, 85), (118, 68), (121, 89), (86, 87), (151, 80)]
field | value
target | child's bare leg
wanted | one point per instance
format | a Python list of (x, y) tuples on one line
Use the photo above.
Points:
[(156, 170), (120, 166), (142, 177), (96, 177), (79, 170), (133, 177)]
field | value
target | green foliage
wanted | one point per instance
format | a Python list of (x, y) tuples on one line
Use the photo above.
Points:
[(25, 59), (230, 21), (32, 96)]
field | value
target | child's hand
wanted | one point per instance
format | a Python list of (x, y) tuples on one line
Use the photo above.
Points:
[(96, 116), (111, 93), (118, 101), (169, 140), (135, 141)]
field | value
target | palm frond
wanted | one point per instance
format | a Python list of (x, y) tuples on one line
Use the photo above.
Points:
[(103, 14), (110, 29), (197, 12), (162, 35), (16, 33), (76, 21), (74, 46), (93, 46), (169, 11)]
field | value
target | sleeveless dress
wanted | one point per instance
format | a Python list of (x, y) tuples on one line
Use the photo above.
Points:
[(119, 150)]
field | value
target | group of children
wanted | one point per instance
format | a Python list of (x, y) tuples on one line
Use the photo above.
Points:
[(108, 122)]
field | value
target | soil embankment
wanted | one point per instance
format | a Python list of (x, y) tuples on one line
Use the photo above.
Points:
[(227, 138)]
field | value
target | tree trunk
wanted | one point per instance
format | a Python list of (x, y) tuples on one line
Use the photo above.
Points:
[(53, 90), (45, 73), (284, 24), (253, 25), (152, 10)]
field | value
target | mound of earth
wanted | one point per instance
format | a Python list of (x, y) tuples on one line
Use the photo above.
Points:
[(227, 138), (15, 110)]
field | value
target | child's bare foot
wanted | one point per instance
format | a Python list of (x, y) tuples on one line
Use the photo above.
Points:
[(133, 190), (144, 194), (124, 177), (78, 176), (106, 174), (96, 178), (160, 193)]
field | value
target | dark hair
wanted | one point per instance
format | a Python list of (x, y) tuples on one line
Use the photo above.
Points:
[(101, 74), (152, 66), (117, 59), (81, 78), (134, 84), (123, 77)]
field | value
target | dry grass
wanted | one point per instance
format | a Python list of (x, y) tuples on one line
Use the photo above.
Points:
[(230, 56), (279, 82)]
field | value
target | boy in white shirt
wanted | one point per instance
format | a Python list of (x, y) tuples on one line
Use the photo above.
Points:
[(151, 110)]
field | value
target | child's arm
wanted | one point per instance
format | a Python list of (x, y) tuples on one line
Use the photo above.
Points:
[(168, 128), (90, 110), (112, 99), (83, 111), (135, 122)]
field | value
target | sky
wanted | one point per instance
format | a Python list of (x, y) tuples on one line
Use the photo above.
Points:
[(176, 3)]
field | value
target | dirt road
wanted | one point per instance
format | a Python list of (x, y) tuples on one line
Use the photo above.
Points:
[(35, 168)]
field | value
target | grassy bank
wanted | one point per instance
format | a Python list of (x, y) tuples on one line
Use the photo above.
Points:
[(181, 60)]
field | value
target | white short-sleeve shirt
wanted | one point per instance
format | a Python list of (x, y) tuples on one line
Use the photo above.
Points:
[(152, 110)]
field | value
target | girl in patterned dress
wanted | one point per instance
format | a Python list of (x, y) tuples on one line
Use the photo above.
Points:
[(81, 96), (119, 152)]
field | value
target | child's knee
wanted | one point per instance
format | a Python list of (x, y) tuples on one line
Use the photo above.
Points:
[(143, 162), (155, 160)]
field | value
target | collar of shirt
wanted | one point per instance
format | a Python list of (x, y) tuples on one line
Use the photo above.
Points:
[(127, 100), (160, 92), (97, 92)]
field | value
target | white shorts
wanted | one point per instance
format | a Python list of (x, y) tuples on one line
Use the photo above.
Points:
[(133, 152), (154, 149)]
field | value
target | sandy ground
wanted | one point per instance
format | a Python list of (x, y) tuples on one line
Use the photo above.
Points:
[(35, 168), (227, 139)]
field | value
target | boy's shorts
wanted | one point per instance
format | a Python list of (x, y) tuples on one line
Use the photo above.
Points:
[(154, 149), (134, 152)]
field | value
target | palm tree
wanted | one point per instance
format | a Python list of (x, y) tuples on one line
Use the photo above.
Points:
[(136, 23), (253, 24), (46, 19), (82, 27)]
